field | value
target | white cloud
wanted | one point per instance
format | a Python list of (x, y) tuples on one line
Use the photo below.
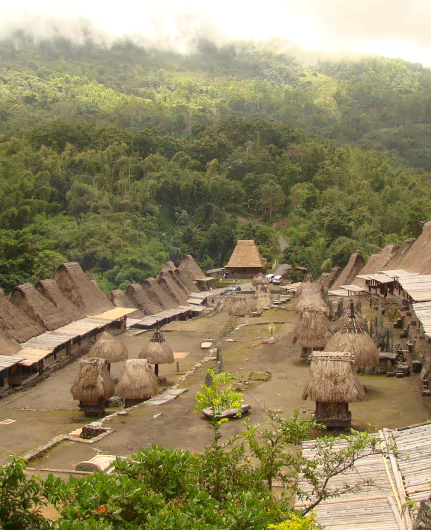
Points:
[(388, 27)]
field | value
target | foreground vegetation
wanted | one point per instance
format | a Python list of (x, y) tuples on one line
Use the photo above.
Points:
[(230, 486), (123, 158)]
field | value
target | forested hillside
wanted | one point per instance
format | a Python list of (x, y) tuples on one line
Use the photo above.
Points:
[(122, 158)]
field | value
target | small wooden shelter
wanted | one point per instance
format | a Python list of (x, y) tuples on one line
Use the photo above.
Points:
[(310, 299), (333, 384), (246, 260), (109, 349), (157, 351), (239, 307), (259, 280), (352, 337), (138, 382), (93, 386), (312, 332)]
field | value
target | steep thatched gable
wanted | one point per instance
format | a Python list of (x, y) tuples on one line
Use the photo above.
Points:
[(8, 345), (348, 274), (37, 307), (140, 298), (80, 290), (50, 290), (17, 324), (120, 299), (192, 269), (170, 286), (246, 255), (159, 295)]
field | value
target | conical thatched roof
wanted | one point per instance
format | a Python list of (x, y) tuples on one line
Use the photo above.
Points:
[(260, 279), (353, 338), (313, 330), (345, 319), (310, 299), (333, 378), (157, 351), (138, 381), (239, 307), (93, 384), (109, 348)]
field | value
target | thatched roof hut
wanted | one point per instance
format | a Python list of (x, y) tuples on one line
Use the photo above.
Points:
[(139, 297), (333, 378), (120, 299), (239, 307), (310, 300), (80, 290), (50, 290), (137, 383), (246, 259), (329, 280), (8, 345), (191, 269), (108, 348), (402, 254), (184, 278), (26, 298), (17, 324), (313, 330), (93, 386), (353, 338), (418, 257), (157, 351), (260, 279), (181, 286), (171, 288), (159, 295), (344, 320), (348, 274)]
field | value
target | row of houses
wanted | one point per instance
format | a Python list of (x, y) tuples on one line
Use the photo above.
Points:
[(43, 325), (400, 271)]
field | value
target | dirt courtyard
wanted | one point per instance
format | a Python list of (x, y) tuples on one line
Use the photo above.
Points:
[(48, 409)]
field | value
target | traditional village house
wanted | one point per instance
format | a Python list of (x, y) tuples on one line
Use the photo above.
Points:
[(352, 337), (157, 351), (93, 386), (109, 349), (239, 307), (40, 309), (80, 290), (191, 269), (312, 332), (138, 382), (333, 384), (246, 260)]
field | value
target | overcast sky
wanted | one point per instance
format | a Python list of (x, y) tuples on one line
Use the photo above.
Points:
[(395, 28)]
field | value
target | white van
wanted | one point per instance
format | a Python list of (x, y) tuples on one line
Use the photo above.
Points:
[(270, 277), (277, 279)]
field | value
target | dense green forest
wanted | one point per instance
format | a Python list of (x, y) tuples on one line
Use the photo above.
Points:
[(121, 158)]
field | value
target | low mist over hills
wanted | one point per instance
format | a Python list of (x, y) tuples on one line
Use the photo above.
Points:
[(122, 156)]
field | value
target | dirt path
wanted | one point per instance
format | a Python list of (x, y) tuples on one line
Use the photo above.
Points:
[(390, 402)]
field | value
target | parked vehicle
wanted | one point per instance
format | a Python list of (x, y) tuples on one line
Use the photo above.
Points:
[(277, 279), (270, 277), (231, 290)]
